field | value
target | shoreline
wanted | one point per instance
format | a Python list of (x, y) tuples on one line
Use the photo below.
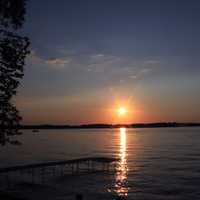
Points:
[(111, 126)]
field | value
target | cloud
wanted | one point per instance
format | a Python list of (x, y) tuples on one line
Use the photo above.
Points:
[(133, 76), (81, 72), (57, 62), (152, 62), (121, 66), (100, 63), (145, 70), (110, 65), (98, 70), (97, 56)]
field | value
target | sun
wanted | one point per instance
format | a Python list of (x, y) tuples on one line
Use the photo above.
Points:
[(122, 111)]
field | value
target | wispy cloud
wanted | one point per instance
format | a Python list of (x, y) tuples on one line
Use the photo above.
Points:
[(98, 69), (152, 62), (122, 68), (55, 63)]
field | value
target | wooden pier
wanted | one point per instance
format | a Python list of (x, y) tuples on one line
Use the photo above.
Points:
[(41, 172)]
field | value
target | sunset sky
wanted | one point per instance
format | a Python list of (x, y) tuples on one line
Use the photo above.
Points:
[(90, 57)]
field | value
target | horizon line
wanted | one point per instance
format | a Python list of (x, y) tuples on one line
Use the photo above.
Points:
[(112, 124)]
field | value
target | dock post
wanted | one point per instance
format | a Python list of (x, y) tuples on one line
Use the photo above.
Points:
[(43, 175), (61, 170), (102, 166), (108, 167), (88, 165), (32, 171), (54, 171), (92, 166), (77, 167), (7, 180)]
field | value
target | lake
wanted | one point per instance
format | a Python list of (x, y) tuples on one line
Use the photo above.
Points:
[(156, 163)]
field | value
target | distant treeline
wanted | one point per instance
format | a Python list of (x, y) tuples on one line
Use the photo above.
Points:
[(87, 126)]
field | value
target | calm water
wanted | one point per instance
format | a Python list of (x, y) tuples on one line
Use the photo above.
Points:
[(154, 163)]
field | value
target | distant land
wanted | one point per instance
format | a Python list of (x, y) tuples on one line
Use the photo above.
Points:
[(88, 126)]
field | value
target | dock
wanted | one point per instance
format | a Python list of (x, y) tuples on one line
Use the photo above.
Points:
[(41, 172)]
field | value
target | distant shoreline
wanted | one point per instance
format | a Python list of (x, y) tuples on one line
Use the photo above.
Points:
[(100, 126)]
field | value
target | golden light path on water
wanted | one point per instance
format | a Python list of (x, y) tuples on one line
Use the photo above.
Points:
[(121, 176)]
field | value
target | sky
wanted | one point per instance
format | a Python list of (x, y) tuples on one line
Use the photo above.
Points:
[(89, 57)]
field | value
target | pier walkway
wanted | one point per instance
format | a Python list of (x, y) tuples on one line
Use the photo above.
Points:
[(41, 172)]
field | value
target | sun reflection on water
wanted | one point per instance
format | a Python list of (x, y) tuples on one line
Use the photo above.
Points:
[(121, 176)]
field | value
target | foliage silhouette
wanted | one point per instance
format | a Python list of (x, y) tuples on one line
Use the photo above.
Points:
[(13, 51)]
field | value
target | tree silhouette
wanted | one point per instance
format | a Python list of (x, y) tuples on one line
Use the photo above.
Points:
[(13, 51)]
